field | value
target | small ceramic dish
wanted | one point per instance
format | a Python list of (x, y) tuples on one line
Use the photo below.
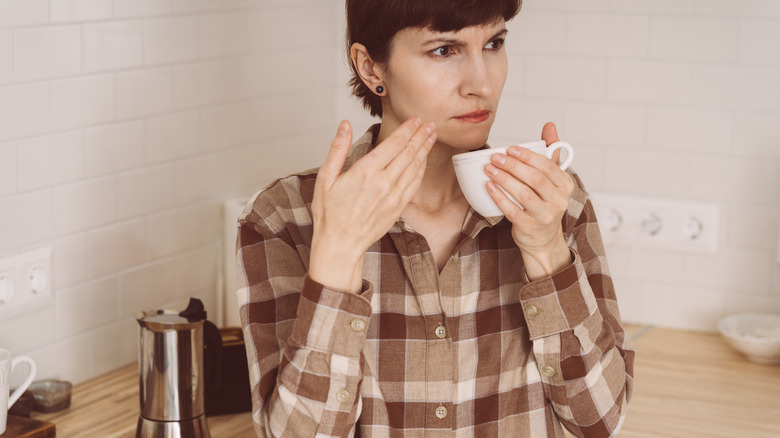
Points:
[(50, 395), (756, 335)]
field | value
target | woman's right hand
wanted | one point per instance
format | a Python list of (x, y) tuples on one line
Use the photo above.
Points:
[(351, 210)]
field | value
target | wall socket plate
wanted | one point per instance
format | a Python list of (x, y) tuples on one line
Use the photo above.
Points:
[(669, 224), (25, 282)]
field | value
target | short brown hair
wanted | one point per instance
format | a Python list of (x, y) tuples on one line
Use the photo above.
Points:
[(374, 23)]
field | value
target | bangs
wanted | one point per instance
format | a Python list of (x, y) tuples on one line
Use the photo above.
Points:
[(449, 15)]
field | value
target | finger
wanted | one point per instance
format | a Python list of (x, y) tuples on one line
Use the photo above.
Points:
[(513, 212), (424, 138), (387, 150), (337, 155), (526, 195), (536, 162), (550, 133), (410, 179), (550, 136)]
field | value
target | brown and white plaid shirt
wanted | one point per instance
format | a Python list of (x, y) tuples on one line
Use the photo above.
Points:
[(476, 350)]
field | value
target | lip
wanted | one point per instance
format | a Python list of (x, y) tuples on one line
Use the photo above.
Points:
[(474, 117)]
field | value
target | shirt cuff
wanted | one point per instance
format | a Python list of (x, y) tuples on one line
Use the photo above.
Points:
[(558, 302), (332, 321)]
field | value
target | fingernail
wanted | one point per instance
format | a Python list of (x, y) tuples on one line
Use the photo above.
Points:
[(342, 129), (430, 127), (499, 158), (432, 138), (514, 151), (417, 122), (491, 169)]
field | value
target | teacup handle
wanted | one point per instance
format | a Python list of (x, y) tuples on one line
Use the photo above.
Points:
[(562, 145), (27, 381)]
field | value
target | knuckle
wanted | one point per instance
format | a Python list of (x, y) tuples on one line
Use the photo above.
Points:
[(536, 179)]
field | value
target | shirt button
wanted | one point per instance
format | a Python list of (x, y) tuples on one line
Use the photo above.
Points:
[(531, 310), (441, 332), (342, 395), (548, 371), (357, 325), (441, 412)]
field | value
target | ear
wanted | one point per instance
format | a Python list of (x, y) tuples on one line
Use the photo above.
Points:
[(368, 70)]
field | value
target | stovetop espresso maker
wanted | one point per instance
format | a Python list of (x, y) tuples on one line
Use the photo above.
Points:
[(171, 372)]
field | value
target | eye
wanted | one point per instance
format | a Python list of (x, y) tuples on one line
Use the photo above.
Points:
[(443, 51), (495, 44)]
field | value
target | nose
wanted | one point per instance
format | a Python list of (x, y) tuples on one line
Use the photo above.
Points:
[(476, 77)]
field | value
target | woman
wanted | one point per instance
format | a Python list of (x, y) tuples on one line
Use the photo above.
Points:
[(376, 302)]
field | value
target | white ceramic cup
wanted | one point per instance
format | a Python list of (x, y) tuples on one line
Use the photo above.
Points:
[(470, 170), (7, 366)]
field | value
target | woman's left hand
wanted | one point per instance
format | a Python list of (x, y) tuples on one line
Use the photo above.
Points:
[(544, 190)]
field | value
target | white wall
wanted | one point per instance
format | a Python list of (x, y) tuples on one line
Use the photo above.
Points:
[(124, 124)]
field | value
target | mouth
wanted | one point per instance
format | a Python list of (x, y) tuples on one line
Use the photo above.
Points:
[(475, 117)]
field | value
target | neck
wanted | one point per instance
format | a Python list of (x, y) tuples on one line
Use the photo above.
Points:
[(439, 188)]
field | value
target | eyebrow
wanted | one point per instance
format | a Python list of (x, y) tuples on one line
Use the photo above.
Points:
[(451, 41)]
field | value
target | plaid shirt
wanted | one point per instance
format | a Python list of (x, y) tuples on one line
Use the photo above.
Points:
[(473, 350)]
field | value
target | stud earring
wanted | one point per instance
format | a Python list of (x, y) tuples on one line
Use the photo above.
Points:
[(380, 89)]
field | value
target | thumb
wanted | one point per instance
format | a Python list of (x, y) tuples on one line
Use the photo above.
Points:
[(550, 133), (337, 155), (550, 136)]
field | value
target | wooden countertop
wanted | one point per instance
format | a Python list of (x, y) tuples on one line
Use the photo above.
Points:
[(686, 384)]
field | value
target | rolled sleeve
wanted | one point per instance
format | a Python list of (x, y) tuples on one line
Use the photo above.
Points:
[(559, 302), (332, 321)]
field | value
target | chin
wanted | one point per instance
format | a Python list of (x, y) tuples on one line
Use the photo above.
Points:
[(470, 140)]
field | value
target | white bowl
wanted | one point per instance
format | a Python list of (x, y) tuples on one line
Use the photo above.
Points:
[(756, 335)]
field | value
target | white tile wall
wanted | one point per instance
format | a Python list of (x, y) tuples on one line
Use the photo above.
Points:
[(50, 160), (23, 12), (113, 148), (123, 127), (6, 56), (102, 255), (144, 93), (82, 102), (173, 39), (113, 45), (79, 10), (47, 52), (25, 110), (7, 168)]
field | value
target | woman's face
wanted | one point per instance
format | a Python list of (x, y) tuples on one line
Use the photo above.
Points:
[(454, 79)]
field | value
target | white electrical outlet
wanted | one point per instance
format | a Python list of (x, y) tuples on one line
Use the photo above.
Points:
[(671, 224), (25, 282)]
